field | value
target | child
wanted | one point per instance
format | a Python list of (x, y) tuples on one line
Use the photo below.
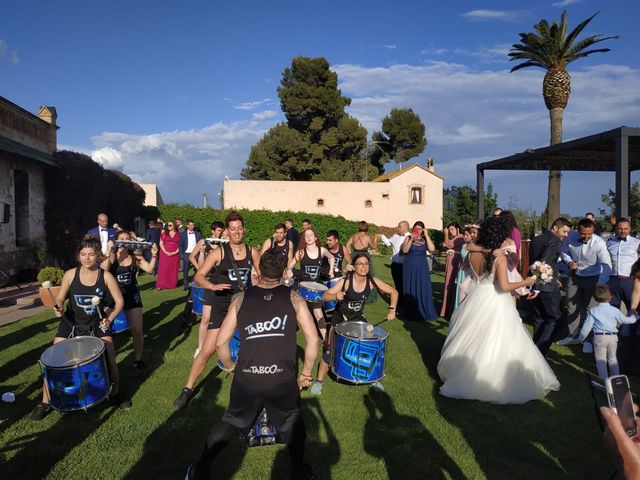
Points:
[(604, 320)]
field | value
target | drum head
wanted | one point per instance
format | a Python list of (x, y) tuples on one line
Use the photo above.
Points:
[(318, 287), (359, 330), (73, 351)]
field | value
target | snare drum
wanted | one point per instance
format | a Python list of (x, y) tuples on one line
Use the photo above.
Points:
[(312, 291), (234, 345), (331, 305), (76, 374), (197, 295), (358, 355), (120, 323)]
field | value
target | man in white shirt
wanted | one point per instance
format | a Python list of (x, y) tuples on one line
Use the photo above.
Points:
[(397, 257), (188, 240), (103, 230), (589, 264)]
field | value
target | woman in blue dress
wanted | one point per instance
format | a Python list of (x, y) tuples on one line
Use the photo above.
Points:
[(416, 277)]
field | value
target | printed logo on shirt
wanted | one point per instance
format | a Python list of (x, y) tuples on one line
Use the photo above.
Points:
[(268, 297), (271, 328), (244, 274), (337, 263), (263, 369), (355, 306), (125, 278), (312, 271), (84, 302)]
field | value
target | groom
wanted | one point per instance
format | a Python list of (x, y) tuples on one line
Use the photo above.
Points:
[(546, 248)]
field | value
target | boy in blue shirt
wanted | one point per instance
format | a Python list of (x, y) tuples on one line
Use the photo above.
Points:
[(604, 320)]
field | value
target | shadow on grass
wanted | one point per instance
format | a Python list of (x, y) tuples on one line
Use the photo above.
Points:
[(24, 333), (396, 438)]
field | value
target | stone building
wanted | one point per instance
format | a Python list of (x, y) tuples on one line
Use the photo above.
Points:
[(410, 193), (27, 143)]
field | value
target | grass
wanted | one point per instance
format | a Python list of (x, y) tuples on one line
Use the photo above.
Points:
[(409, 432)]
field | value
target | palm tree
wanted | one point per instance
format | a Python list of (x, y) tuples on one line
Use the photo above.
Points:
[(552, 49)]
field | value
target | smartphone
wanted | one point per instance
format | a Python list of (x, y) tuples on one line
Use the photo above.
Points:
[(416, 232), (621, 402)]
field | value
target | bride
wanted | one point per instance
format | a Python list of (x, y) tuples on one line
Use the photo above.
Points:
[(488, 354)]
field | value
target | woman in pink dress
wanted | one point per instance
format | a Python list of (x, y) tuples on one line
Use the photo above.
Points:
[(169, 258), (453, 242)]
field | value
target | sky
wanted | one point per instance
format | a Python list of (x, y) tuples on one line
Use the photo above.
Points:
[(176, 93)]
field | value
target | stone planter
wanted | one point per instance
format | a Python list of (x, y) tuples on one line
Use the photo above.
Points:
[(46, 298)]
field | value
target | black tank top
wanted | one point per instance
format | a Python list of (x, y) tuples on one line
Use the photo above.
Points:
[(267, 326), (352, 307), (225, 273), (283, 249), (311, 266), (80, 310), (126, 277), (337, 262)]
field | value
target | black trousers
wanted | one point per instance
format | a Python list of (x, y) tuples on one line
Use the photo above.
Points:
[(186, 266), (548, 306), (396, 274)]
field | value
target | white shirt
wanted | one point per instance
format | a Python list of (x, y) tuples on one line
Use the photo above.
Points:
[(104, 239), (592, 257), (624, 254), (395, 242), (191, 239)]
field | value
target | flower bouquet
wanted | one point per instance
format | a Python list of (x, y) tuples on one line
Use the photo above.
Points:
[(542, 271)]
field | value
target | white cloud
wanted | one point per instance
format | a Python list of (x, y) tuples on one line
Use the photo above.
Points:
[(487, 15), (251, 105), (564, 3), (15, 58), (6, 51), (434, 51), (495, 53), (108, 157), (3, 48), (388, 46), (264, 115)]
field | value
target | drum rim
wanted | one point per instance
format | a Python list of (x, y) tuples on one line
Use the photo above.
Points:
[(376, 339), (74, 365), (309, 286)]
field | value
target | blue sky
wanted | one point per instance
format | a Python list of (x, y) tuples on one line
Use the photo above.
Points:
[(176, 93)]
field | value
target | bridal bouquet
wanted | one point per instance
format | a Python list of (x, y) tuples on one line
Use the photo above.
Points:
[(542, 271)]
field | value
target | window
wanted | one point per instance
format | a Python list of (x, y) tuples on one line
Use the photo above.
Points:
[(385, 196), (21, 195), (416, 196), (368, 203), (320, 202)]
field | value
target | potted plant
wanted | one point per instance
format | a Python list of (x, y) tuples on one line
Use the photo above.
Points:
[(54, 276)]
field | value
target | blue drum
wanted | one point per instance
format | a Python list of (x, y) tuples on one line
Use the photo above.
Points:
[(312, 291), (235, 348), (331, 305), (197, 294), (120, 323), (75, 373), (358, 354)]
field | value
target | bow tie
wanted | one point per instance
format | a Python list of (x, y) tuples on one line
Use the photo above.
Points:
[(103, 229), (624, 239)]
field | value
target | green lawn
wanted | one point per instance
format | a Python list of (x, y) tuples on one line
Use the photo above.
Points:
[(409, 432)]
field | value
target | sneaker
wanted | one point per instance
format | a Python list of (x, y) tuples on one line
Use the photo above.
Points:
[(184, 397), (377, 386), (139, 365), (40, 411), (316, 389), (568, 341), (120, 401), (195, 354), (305, 473), (587, 347)]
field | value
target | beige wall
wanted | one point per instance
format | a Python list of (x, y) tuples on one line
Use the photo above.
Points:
[(390, 201), (152, 194)]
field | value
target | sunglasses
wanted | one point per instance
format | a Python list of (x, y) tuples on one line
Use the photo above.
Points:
[(360, 264)]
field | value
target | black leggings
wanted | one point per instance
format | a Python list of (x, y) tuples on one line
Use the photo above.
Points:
[(222, 433)]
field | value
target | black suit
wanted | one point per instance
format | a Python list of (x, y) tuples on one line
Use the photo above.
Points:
[(546, 248), (184, 244)]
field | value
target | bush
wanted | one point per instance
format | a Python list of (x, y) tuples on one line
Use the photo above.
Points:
[(51, 274)]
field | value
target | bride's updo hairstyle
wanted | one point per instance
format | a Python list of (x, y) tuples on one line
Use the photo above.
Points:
[(493, 231)]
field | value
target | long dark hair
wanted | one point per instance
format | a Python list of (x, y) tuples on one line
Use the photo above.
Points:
[(420, 224), (491, 234), (509, 219), (350, 275)]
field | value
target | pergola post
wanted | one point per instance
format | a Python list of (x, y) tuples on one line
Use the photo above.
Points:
[(480, 192), (622, 175)]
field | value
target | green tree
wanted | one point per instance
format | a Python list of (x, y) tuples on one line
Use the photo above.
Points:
[(319, 141), (609, 199), (551, 48), (460, 204), (402, 136)]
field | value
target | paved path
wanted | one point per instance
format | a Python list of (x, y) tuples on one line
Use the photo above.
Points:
[(18, 303)]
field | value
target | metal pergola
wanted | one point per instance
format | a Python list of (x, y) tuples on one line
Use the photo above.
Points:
[(616, 150)]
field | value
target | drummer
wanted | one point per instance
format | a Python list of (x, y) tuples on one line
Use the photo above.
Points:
[(279, 243), (310, 255), (79, 286), (339, 252), (123, 263), (233, 263), (352, 293), (197, 257)]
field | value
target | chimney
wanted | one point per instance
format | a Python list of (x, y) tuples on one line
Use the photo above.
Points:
[(431, 164), (49, 115)]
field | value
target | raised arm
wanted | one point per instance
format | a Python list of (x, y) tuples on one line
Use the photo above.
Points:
[(430, 245), (501, 278), (148, 267), (406, 246)]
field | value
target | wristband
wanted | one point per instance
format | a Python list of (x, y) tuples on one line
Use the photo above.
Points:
[(305, 375), (392, 308)]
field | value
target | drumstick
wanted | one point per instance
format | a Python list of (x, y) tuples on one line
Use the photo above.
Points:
[(47, 285), (376, 324), (95, 301)]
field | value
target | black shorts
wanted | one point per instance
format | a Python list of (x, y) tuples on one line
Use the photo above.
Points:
[(132, 300), (92, 328), (246, 401), (219, 309), (209, 296)]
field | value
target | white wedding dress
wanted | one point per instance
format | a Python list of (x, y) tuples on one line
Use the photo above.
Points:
[(488, 354)]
